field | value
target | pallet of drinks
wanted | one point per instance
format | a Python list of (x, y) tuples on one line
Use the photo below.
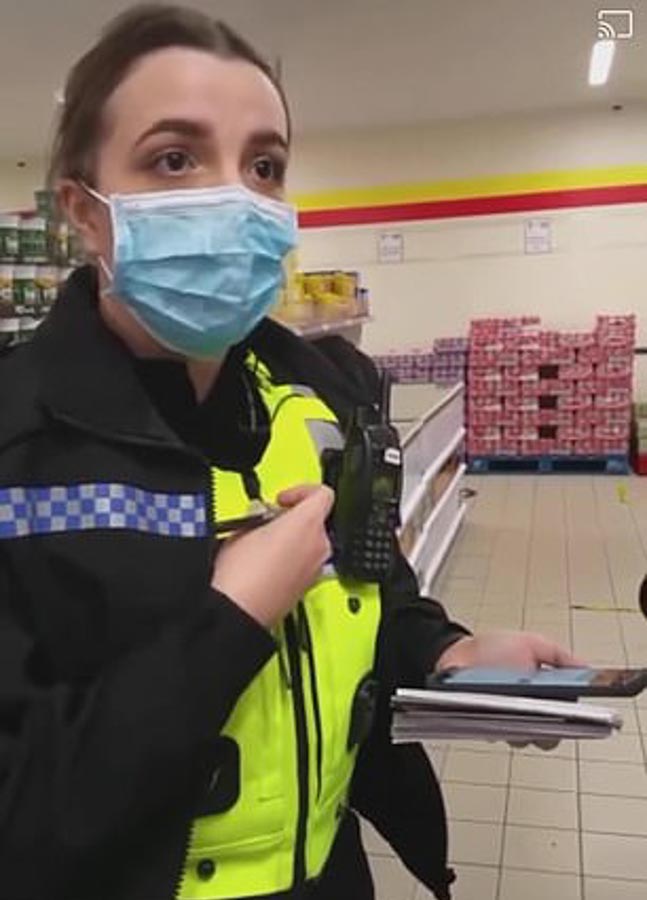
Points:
[(414, 366), (546, 400)]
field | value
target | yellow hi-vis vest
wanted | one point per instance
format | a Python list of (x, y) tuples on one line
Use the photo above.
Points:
[(280, 825)]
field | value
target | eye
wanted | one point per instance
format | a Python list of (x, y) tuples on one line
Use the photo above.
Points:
[(174, 163), (268, 169)]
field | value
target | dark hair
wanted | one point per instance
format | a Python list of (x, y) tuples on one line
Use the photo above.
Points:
[(124, 41)]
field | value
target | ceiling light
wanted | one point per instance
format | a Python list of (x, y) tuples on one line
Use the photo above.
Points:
[(601, 60)]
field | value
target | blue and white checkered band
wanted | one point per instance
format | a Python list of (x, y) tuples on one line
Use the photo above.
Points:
[(26, 511)]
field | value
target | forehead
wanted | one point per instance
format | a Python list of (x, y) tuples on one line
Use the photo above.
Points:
[(178, 82)]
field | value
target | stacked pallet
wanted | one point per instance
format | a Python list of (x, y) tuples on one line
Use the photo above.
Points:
[(442, 362), (450, 359), (537, 393), (415, 366)]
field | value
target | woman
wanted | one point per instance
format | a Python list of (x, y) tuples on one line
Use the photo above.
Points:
[(180, 716)]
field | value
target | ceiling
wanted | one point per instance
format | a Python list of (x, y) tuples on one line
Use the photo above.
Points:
[(351, 63)]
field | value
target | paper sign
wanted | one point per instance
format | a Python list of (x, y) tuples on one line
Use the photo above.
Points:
[(390, 247), (538, 236)]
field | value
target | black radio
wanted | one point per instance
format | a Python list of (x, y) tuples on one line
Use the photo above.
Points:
[(367, 478)]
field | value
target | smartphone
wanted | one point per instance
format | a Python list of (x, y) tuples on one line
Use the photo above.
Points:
[(549, 684)]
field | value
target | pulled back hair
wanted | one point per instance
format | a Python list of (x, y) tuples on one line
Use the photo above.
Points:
[(124, 41)]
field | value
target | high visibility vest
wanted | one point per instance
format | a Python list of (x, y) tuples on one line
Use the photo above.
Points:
[(292, 725)]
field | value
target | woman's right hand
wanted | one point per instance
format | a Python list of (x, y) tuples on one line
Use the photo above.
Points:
[(267, 571)]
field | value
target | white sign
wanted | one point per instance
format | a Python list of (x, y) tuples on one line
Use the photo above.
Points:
[(538, 236), (390, 247)]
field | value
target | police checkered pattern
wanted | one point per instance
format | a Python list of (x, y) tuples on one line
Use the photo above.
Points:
[(27, 511)]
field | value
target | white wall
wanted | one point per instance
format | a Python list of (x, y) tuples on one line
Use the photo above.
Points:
[(17, 185), (472, 148)]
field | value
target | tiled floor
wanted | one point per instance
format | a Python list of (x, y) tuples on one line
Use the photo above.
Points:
[(564, 556)]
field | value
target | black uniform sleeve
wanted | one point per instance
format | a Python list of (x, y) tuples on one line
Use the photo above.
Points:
[(416, 630), (83, 768)]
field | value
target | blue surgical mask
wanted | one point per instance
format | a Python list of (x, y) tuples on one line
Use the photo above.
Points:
[(198, 268)]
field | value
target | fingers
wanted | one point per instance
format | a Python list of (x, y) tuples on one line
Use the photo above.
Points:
[(319, 498), (549, 653)]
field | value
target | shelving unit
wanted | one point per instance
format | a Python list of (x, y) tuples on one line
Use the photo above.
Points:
[(432, 502)]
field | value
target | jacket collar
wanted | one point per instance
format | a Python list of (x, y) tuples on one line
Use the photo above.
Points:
[(88, 376)]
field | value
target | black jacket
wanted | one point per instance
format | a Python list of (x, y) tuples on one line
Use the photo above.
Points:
[(118, 662)]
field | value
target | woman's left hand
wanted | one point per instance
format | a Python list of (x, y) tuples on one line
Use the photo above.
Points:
[(512, 649), (506, 649)]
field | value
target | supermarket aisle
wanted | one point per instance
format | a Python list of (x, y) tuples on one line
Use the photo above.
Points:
[(565, 556)]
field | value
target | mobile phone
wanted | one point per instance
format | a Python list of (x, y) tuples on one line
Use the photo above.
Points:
[(547, 683)]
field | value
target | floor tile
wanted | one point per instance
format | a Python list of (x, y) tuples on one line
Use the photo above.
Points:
[(475, 802), (546, 850), (524, 885), (546, 809), (605, 889), (477, 768), (619, 748), (373, 842), (616, 779), (546, 774), (614, 856), (614, 815), (473, 883), (564, 750), (392, 881), (471, 842)]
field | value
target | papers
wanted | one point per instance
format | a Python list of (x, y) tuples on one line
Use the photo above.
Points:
[(441, 715)]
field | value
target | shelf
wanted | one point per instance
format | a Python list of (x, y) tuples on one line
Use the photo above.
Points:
[(431, 473), (19, 324), (423, 543), (429, 440), (443, 549), (319, 329)]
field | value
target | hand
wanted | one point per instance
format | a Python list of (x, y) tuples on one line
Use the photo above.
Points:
[(506, 649), (266, 571), (514, 649)]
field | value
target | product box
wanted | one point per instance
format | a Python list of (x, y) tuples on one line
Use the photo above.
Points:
[(575, 433), (485, 432), (575, 403), (482, 387), (491, 404), (612, 398), (588, 386)]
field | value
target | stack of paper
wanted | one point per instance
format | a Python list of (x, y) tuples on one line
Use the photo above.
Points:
[(442, 715)]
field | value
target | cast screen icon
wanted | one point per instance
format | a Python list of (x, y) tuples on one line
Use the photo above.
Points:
[(615, 24)]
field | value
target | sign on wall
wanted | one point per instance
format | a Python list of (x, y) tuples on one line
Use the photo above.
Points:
[(538, 236), (390, 247)]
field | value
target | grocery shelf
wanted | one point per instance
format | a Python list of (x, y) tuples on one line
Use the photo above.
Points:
[(17, 325), (319, 329), (432, 505)]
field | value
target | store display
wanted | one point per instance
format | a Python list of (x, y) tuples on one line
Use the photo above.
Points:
[(450, 360), (536, 392), (442, 363), (37, 253), (322, 297)]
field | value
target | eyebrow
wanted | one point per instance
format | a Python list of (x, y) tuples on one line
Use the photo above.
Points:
[(200, 131)]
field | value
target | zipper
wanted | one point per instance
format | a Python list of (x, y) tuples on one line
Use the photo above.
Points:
[(306, 643), (188, 843), (301, 727)]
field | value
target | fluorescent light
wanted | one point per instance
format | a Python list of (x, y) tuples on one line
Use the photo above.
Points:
[(601, 60)]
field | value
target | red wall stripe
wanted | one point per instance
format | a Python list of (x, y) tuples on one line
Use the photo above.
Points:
[(476, 206)]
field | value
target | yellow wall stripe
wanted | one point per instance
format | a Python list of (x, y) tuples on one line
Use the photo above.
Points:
[(489, 186)]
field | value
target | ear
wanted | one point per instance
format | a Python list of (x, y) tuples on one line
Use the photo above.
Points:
[(86, 215)]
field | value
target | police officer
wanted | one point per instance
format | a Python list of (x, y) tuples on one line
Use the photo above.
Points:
[(182, 717)]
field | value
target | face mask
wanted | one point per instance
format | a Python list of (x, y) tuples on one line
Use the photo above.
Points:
[(198, 268)]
